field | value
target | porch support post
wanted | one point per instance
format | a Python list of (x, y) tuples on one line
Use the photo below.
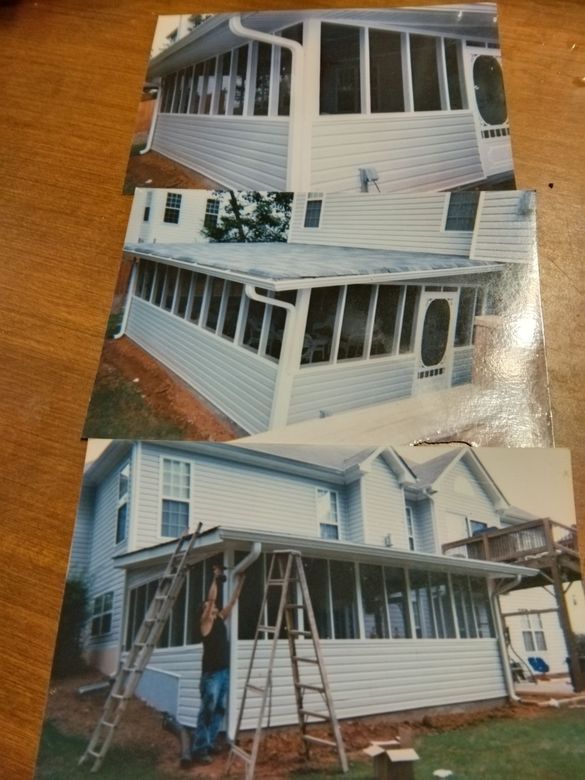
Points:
[(500, 633), (153, 120), (232, 703), (290, 359), (577, 677)]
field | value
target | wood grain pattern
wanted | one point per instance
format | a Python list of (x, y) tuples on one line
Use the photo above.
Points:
[(71, 78)]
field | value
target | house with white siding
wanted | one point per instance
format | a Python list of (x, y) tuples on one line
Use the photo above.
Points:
[(167, 216), (373, 298), (402, 626), (337, 100)]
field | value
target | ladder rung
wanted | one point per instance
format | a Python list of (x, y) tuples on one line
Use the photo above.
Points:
[(268, 629), (320, 715), (281, 581), (120, 696), (241, 753), (108, 725), (305, 660), (94, 753), (256, 689), (295, 606), (298, 632), (310, 687), (133, 669), (319, 741)]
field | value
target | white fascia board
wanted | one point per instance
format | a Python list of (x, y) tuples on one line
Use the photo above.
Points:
[(397, 465), (113, 453)]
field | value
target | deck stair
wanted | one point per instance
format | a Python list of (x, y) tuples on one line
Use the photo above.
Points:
[(287, 582), (135, 662)]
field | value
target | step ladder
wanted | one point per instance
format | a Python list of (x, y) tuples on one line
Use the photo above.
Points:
[(131, 668), (286, 572)]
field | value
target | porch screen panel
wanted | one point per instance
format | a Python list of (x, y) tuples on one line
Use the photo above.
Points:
[(199, 281), (186, 93), (223, 74), (250, 601), (385, 320), (441, 594), (408, 319), (425, 73), (240, 85), (277, 322), (340, 69), (294, 33), (396, 594), (196, 89), (465, 316), (159, 284), (178, 91), (317, 574), (194, 603), (254, 320), (386, 84), (343, 600), (463, 607), (262, 91), (373, 602), (177, 632), (183, 291), (145, 289), (170, 285), (233, 302), (422, 606), (215, 295), (209, 87), (482, 607), (320, 322), (168, 87), (454, 76), (355, 318)]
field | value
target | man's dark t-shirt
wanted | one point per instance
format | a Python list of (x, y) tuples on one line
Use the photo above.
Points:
[(216, 648)]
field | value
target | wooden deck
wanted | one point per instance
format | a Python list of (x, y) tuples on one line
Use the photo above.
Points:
[(476, 416), (540, 544)]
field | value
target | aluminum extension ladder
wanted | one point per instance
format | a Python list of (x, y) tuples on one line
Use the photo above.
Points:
[(131, 669), (286, 569)]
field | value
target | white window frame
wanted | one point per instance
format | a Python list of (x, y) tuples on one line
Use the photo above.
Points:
[(123, 502), (328, 519), (533, 630), (449, 201), (313, 197), (163, 496), (470, 520), (409, 524), (177, 200), (99, 612)]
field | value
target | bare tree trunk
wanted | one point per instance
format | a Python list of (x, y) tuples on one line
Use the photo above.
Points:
[(237, 217)]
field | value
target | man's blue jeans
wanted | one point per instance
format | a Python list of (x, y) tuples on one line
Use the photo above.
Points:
[(213, 688)]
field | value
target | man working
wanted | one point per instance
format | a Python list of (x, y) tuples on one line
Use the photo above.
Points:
[(215, 671)]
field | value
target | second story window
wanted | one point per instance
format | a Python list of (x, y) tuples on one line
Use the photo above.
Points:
[(462, 211), (101, 620), (122, 511), (176, 496), (211, 214), (532, 632), (410, 528), (313, 213), (173, 208), (327, 514)]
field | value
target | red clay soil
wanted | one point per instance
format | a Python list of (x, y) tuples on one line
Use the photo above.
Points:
[(163, 392), (280, 753), (154, 170)]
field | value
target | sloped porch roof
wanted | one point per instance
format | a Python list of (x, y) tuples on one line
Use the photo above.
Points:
[(283, 266)]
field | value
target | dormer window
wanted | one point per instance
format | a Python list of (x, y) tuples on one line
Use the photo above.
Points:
[(462, 211), (313, 210), (176, 495), (410, 528), (327, 513), (122, 510)]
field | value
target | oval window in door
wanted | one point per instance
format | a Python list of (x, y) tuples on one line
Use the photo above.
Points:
[(489, 90), (435, 332)]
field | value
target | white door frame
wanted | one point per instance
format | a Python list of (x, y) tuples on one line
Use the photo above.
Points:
[(437, 377)]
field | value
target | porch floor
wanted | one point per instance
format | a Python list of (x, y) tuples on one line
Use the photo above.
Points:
[(468, 413)]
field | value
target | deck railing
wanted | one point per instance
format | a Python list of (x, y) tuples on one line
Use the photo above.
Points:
[(534, 538)]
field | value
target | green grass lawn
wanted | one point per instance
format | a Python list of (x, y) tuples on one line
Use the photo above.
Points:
[(548, 747)]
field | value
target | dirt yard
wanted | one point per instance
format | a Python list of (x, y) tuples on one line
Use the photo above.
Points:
[(280, 752), (154, 170), (165, 395)]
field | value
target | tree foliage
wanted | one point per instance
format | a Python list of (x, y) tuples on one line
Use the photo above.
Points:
[(74, 612), (251, 216)]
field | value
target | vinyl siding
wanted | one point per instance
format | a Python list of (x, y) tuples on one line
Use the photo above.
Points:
[(462, 365), (354, 512), (413, 223), (460, 493), (257, 498), (385, 506), (156, 230), (504, 233), (377, 676), (80, 555), (424, 533), (417, 152), (242, 153), (238, 382), (324, 390)]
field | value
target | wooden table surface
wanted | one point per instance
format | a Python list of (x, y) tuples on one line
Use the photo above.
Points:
[(71, 75)]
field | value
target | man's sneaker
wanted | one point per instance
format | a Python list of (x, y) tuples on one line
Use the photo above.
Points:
[(201, 758)]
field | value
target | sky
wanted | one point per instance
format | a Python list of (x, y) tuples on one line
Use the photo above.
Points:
[(537, 480)]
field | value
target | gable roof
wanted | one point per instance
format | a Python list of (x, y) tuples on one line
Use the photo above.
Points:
[(281, 266), (428, 473)]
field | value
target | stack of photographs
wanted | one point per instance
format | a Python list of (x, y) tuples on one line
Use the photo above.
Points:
[(320, 493)]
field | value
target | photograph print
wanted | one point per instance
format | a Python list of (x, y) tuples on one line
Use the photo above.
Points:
[(392, 99), (326, 317)]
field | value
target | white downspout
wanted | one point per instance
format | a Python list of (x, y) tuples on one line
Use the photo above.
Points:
[(494, 597), (252, 556), (128, 302), (297, 169), (153, 121), (279, 412)]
